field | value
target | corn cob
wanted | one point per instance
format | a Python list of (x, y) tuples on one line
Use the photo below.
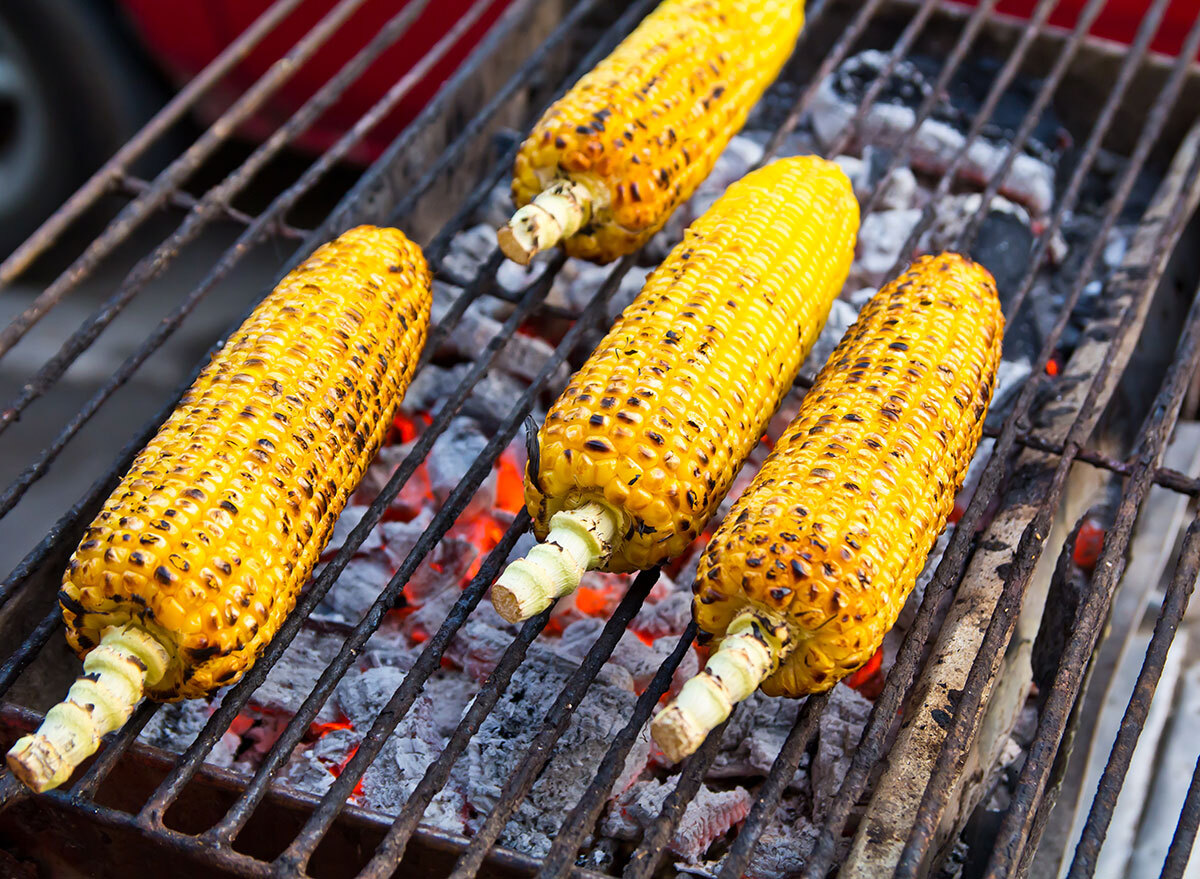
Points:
[(610, 161), (642, 446), (200, 552), (814, 561)]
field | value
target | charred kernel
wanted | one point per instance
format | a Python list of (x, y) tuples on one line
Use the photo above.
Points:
[(219, 482), (880, 498), (682, 387), (635, 152)]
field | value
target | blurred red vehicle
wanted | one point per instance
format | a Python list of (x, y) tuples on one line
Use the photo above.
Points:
[(184, 35), (79, 77)]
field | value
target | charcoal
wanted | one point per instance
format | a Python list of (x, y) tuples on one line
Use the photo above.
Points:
[(785, 842), (636, 762), (640, 659), (578, 637), (899, 190), (940, 137), (668, 617), (399, 538), (708, 816), (577, 283), (360, 695), (356, 588), (1003, 246), (432, 385), (522, 356), (501, 744), (346, 523), (477, 648), (175, 726), (838, 732), (311, 768), (859, 174), (452, 456), (292, 678), (754, 738), (469, 250), (521, 548), (881, 238), (840, 317)]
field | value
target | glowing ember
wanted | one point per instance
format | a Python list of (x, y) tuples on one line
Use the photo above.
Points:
[(1089, 543), (483, 532), (319, 730), (510, 484), (868, 680), (337, 769)]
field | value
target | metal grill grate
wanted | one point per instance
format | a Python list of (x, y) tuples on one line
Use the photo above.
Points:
[(390, 192)]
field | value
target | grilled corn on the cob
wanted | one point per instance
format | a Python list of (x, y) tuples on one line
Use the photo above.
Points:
[(609, 162), (201, 550), (642, 446), (814, 561)]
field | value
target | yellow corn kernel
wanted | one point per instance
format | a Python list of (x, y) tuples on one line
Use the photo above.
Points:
[(815, 559), (682, 387), (201, 551), (611, 160)]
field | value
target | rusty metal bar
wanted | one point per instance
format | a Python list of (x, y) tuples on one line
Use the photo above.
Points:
[(116, 167), (1185, 831), (1175, 604), (211, 206), (135, 213)]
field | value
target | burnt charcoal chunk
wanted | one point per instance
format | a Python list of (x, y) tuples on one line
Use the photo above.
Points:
[(1002, 247)]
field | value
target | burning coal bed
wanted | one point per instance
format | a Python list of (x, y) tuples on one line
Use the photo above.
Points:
[(757, 731)]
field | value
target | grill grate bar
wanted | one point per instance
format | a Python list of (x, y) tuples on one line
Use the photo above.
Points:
[(176, 109), (835, 57), (517, 81), (391, 849), (541, 749), (649, 854), (427, 663), (461, 495), (950, 569), (1137, 51), (217, 841), (1174, 606), (582, 818), (1029, 547), (1185, 831), (782, 771), (1090, 617), (135, 213), (28, 650), (151, 267), (185, 201)]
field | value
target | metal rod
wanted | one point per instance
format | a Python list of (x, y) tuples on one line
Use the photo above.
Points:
[(1185, 831), (783, 770), (136, 212), (211, 205), (1090, 618), (870, 748), (541, 749), (182, 103), (1175, 604), (654, 841), (582, 818)]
